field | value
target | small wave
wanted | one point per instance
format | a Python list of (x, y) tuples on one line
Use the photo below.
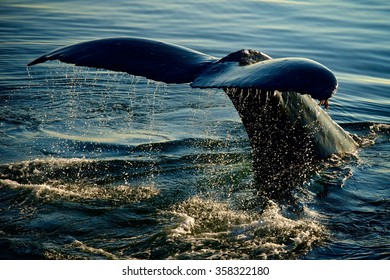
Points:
[(368, 133), (70, 180), (68, 192), (78, 250), (91, 250)]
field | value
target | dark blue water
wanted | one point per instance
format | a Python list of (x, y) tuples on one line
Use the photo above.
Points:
[(102, 165)]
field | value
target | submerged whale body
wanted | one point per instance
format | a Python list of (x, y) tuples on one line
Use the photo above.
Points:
[(287, 130)]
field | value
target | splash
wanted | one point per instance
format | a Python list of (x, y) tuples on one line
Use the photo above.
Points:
[(216, 231)]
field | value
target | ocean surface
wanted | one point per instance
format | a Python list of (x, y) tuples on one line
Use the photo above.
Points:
[(102, 165)]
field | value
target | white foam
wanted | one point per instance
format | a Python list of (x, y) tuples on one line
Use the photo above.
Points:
[(240, 234), (185, 227)]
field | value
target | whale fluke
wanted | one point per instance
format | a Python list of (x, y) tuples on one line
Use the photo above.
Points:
[(152, 59), (169, 63), (286, 128)]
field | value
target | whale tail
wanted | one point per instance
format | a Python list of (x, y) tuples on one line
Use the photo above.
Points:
[(285, 126), (171, 63)]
